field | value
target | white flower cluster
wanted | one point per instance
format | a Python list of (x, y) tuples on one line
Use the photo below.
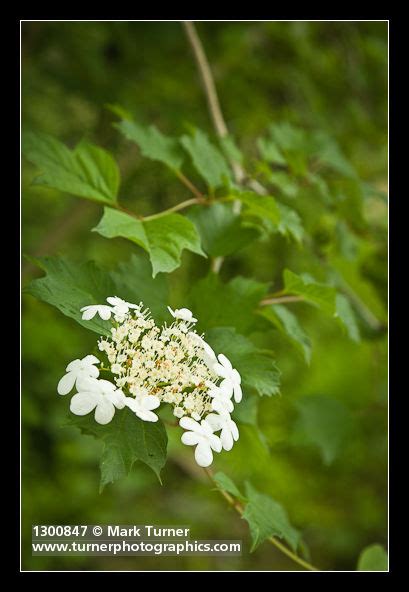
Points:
[(150, 365)]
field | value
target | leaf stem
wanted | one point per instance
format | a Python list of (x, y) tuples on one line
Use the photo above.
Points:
[(126, 211), (239, 509), (216, 264), (180, 206), (280, 299), (188, 183)]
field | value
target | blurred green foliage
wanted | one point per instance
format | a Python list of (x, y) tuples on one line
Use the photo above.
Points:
[(332, 479)]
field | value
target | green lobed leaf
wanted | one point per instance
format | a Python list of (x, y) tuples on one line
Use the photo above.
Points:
[(208, 161), (274, 217), (257, 369), (87, 171), (270, 152), (267, 518), (351, 278), (287, 323), (263, 207), (323, 422), (347, 241), (229, 304), (69, 286), (222, 232), (230, 149), (288, 137), (226, 484), (284, 182), (294, 144), (163, 237), (126, 439), (314, 292), (152, 143), (290, 223), (346, 315), (327, 151), (118, 110), (373, 558), (134, 282), (247, 411)]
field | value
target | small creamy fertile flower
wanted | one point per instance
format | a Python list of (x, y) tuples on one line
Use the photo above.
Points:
[(222, 421), (231, 378), (178, 412), (76, 370), (221, 397), (142, 406), (89, 312), (184, 314), (200, 435), (101, 395)]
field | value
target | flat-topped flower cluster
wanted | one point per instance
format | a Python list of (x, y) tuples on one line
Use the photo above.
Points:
[(149, 365)]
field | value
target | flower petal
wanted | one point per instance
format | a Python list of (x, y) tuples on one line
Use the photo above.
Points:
[(225, 362), (117, 398), (226, 439), (89, 313), (91, 371), (87, 383), (203, 454), (206, 428), (89, 360), (236, 376), (83, 403), (222, 405), (220, 370), (66, 383), (104, 412), (238, 393), (147, 415), (131, 305), (132, 404), (183, 313), (190, 424), (190, 438), (215, 442), (150, 402), (215, 421), (115, 301), (104, 312), (234, 430), (74, 365), (227, 387), (105, 386)]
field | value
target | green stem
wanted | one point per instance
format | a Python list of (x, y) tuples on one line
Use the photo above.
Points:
[(199, 198), (280, 299), (239, 509), (180, 206), (188, 183)]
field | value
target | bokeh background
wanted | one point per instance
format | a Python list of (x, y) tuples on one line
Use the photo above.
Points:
[(330, 76)]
